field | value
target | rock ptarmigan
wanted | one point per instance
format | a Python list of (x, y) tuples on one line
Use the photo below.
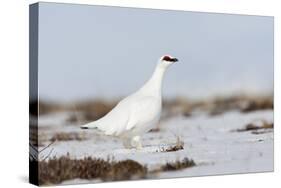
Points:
[(139, 112)]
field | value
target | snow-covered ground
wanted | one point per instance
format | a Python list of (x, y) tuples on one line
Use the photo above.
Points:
[(211, 141)]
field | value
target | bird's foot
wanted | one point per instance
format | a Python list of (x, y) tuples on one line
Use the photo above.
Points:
[(136, 142), (127, 144), (139, 146)]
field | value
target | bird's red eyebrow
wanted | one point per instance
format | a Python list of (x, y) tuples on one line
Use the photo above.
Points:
[(166, 58)]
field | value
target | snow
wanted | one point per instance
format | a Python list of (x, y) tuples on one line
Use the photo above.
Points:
[(211, 141)]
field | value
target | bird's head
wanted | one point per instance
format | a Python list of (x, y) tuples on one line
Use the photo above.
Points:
[(167, 60)]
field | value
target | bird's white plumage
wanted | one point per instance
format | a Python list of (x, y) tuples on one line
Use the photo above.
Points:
[(137, 113)]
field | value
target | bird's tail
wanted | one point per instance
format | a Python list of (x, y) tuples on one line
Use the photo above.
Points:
[(91, 125)]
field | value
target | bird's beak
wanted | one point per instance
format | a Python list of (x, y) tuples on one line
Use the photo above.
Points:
[(175, 60)]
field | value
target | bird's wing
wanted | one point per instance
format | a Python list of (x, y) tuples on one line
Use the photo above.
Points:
[(129, 112), (142, 111), (115, 121)]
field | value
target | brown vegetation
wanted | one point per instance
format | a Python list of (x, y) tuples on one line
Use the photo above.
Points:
[(219, 105), (57, 170), (178, 146), (68, 136), (91, 110), (94, 109), (243, 104), (178, 165), (154, 130), (255, 127), (174, 148), (50, 107)]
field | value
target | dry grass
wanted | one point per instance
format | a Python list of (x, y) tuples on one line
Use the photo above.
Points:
[(178, 165), (218, 105), (94, 109), (257, 127), (242, 103), (68, 136), (262, 131), (125, 170), (155, 130), (50, 107), (258, 103), (56, 170), (91, 111), (178, 146)]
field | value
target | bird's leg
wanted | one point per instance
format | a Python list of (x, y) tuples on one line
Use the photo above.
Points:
[(127, 143), (136, 142)]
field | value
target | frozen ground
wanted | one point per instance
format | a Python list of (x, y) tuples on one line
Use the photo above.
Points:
[(211, 141)]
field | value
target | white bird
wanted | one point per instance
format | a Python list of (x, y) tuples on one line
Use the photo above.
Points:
[(139, 112)]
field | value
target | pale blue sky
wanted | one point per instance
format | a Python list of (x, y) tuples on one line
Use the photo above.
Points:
[(97, 51)]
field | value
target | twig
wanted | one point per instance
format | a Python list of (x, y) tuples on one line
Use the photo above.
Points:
[(48, 154), (47, 146)]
